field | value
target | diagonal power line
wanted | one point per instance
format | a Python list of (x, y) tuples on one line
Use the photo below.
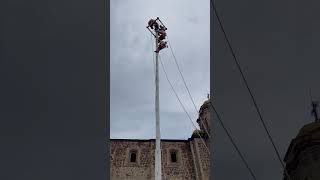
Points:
[(233, 142), (219, 120), (163, 68), (248, 88), (185, 84)]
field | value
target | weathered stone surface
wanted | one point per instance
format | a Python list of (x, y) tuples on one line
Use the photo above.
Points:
[(122, 168), (192, 157)]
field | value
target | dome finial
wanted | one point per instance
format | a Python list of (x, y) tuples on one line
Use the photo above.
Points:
[(314, 111)]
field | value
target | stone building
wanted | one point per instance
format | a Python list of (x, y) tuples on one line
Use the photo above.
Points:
[(303, 156), (188, 159)]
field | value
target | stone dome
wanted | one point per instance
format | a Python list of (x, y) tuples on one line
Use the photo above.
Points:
[(205, 105), (310, 129)]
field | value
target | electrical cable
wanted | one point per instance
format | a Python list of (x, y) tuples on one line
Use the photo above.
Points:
[(185, 84), (218, 117), (233, 142), (248, 88), (174, 91)]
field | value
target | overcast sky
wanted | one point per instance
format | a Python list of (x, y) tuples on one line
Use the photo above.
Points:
[(132, 70), (277, 46)]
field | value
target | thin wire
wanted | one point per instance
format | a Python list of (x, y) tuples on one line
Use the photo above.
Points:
[(179, 98), (163, 68), (232, 141), (248, 88), (218, 116), (220, 121), (185, 84)]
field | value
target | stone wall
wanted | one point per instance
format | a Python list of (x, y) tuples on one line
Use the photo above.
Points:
[(201, 159), (143, 169), (121, 168), (192, 156)]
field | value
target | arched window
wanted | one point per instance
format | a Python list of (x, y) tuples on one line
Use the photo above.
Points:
[(133, 156), (173, 156)]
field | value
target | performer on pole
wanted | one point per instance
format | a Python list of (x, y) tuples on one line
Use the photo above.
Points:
[(162, 33), (161, 45), (153, 24)]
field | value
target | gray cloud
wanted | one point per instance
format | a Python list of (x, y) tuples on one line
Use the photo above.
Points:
[(132, 67)]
